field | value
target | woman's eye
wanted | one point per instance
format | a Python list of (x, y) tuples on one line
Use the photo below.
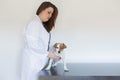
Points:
[(48, 12)]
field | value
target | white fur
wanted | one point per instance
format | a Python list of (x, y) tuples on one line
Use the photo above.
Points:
[(62, 55)]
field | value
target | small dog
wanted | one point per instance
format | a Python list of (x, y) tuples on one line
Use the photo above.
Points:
[(59, 47)]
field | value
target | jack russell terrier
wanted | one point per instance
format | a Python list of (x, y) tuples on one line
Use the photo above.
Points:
[(59, 47)]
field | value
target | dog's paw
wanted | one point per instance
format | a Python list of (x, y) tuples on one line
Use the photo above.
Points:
[(47, 69), (54, 65), (66, 70)]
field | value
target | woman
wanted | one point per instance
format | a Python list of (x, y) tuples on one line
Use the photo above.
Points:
[(37, 39)]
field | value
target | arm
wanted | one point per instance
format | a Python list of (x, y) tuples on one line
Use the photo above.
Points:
[(35, 43), (33, 40)]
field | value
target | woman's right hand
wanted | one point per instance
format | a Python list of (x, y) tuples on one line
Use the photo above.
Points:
[(53, 56)]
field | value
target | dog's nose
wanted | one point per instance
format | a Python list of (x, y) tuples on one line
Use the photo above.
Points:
[(58, 51)]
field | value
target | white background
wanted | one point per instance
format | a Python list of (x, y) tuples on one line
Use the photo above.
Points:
[(89, 28)]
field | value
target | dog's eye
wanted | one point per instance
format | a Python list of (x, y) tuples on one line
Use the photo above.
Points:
[(57, 47)]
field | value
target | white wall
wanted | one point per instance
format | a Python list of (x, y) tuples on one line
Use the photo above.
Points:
[(90, 29)]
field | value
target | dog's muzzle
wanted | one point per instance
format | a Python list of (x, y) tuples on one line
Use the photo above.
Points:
[(58, 51)]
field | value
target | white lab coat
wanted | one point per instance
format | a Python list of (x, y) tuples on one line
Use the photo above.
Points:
[(35, 50)]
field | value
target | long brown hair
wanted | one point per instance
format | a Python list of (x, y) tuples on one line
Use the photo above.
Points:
[(51, 22)]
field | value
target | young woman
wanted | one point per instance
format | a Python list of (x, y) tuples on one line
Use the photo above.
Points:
[(37, 38)]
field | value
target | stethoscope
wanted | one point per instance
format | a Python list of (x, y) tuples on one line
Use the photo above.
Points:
[(49, 42)]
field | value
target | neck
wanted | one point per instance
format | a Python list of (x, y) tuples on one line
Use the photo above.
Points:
[(39, 17)]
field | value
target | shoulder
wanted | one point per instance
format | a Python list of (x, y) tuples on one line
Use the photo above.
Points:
[(34, 23)]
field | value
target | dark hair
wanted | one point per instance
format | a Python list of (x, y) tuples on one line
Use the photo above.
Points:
[(51, 22)]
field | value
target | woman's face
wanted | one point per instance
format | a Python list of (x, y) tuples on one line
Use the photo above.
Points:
[(46, 14)]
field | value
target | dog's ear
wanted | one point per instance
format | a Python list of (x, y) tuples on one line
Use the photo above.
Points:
[(64, 46), (55, 45)]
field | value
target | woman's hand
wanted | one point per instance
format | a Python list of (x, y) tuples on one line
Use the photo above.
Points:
[(53, 56)]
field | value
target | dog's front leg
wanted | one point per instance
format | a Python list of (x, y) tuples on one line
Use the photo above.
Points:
[(49, 65), (64, 62)]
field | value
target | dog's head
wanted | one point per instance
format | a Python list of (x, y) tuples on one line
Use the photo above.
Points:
[(59, 47)]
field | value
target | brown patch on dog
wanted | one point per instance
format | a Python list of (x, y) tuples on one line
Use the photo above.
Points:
[(63, 46), (55, 45)]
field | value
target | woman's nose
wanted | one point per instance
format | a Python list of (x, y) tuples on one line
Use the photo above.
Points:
[(50, 15)]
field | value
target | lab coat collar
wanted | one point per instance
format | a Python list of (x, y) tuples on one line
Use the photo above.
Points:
[(41, 22), (38, 18)]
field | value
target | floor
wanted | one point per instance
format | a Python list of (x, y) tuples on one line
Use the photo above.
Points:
[(83, 71)]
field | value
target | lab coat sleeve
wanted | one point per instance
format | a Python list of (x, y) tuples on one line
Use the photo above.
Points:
[(33, 39)]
